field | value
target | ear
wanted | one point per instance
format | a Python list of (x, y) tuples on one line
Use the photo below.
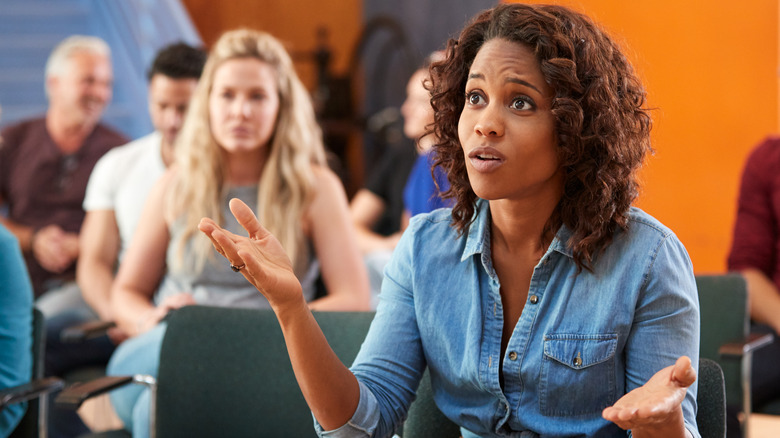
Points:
[(51, 83)]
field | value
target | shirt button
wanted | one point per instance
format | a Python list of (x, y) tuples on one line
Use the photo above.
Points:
[(577, 360), (534, 299), (512, 355)]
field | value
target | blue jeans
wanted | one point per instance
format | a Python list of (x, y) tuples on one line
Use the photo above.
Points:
[(139, 355)]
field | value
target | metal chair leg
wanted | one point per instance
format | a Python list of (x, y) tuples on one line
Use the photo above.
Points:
[(151, 383)]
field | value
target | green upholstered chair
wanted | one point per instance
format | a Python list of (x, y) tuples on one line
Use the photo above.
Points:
[(424, 418), (711, 400), (226, 372), (726, 337)]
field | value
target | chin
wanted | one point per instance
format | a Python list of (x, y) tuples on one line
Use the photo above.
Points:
[(487, 191), (238, 148)]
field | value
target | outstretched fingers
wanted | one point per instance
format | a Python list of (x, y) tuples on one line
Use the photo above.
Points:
[(657, 403), (246, 217), (224, 241)]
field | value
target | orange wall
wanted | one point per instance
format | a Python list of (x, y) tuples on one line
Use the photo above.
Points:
[(293, 22), (710, 68)]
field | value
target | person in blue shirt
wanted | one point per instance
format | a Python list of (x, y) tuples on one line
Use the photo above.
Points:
[(425, 184), (16, 302), (543, 304)]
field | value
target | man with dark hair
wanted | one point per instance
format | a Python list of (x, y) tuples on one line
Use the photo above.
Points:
[(115, 196), (122, 179)]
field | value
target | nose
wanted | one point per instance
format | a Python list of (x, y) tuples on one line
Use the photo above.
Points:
[(246, 109), (490, 122), (101, 91), (174, 118), (242, 108)]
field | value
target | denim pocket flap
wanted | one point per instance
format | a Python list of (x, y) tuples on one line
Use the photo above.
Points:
[(580, 351)]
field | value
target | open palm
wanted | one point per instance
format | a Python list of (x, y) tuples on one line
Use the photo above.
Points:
[(656, 403)]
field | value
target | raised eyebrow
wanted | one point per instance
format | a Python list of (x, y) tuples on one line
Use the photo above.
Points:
[(512, 80), (522, 82)]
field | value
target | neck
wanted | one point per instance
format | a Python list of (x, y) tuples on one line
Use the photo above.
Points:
[(246, 168), (520, 225), (425, 144), (166, 152), (68, 134)]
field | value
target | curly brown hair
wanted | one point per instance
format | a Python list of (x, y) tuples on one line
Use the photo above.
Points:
[(602, 126)]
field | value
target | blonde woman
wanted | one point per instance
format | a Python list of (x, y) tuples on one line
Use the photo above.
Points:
[(251, 134)]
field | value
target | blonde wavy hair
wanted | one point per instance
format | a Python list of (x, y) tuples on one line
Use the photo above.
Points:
[(286, 186)]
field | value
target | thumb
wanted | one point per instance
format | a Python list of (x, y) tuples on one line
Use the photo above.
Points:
[(683, 373)]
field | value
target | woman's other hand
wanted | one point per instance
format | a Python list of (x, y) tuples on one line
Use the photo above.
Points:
[(654, 409), (156, 314), (259, 257)]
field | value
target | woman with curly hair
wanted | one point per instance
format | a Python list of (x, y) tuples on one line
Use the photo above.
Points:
[(250, 133), (542, 303)]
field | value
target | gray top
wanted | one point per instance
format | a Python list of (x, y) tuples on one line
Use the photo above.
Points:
[(217, 284)]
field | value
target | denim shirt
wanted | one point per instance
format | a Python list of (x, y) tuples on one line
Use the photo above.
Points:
[(582, 341)]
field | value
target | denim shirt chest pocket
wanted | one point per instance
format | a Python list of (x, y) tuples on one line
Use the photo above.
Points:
[(578, 374)]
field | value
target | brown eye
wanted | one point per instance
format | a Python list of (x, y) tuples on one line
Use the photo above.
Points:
[(474, 98), (522, 103)]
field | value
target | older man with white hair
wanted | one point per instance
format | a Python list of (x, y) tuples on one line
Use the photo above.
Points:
[(45, 163)]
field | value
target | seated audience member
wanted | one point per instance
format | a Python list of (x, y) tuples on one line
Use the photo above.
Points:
[(45, 164), (542, 303), (250, 133), (117, 189), (16, 298), (123, 178), (755, 253), (377, 208), (391, 184), (15, 326), (422, 193)]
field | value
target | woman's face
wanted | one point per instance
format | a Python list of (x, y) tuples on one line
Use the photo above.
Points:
[(243, 104), (507, 129), (416, 109)]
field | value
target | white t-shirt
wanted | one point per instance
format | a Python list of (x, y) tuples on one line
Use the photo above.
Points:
[(122, 180)]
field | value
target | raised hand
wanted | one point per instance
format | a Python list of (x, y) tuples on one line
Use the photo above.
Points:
[(654, 409), (258, 256)]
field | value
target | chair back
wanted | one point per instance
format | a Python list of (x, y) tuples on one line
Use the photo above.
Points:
[(425, 420), (226, 372), (724, 318), (711, 400), (31, 423)]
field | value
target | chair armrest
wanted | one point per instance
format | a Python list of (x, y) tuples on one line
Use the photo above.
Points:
[(85, 331), (73, 396), (753, 341), (30, 390)]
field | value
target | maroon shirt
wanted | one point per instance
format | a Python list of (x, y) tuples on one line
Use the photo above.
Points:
[(41, 185), (756, 241)]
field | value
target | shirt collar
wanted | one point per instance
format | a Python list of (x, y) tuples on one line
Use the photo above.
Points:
[(478, 236)]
